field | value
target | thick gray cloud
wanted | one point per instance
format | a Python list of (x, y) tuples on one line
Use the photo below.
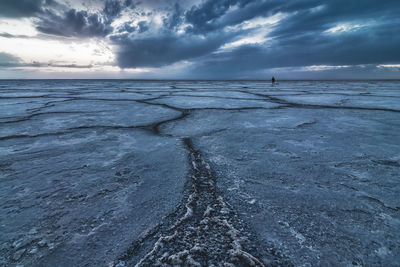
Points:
[(164, 49), (20, 8), (112, 9), (309, 18), (202, 17), (373, 45), (174, 18), (7, 59), (73, 23)]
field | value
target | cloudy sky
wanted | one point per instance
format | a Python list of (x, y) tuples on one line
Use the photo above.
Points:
[(200, 39)]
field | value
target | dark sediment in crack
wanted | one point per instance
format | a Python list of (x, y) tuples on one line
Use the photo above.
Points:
[(304, 124), (387, 162), (155, 127), (204, 231), (18, 136)]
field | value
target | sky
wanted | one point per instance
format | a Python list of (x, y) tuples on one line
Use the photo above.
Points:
[(200, 39)]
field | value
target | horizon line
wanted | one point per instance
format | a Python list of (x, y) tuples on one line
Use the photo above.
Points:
[(238, 80)]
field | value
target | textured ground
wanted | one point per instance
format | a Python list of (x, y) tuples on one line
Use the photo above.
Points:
[(123, 173)]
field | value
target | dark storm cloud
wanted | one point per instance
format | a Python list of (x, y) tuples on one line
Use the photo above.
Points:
[(81, 23), (174, 18), (127, 27), (142, 25), (112, 9), (309, 18), (20, 8), (163, 50), (213, 15), (305, 51), (301, 39), (165, 47), (304, 14), (73, 24), (201, 17)]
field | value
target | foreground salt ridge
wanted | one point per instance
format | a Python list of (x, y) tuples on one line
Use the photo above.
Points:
[(204, 235), (261, 155)]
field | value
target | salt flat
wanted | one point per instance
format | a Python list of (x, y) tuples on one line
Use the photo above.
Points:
[(102, 173)]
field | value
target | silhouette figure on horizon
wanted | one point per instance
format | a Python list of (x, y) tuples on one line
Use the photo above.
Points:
[(273, 80)]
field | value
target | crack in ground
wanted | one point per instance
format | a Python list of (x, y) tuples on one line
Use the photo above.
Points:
[(221, 97), (26, 118), (206, 232), (316, 106), (153, 127)]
